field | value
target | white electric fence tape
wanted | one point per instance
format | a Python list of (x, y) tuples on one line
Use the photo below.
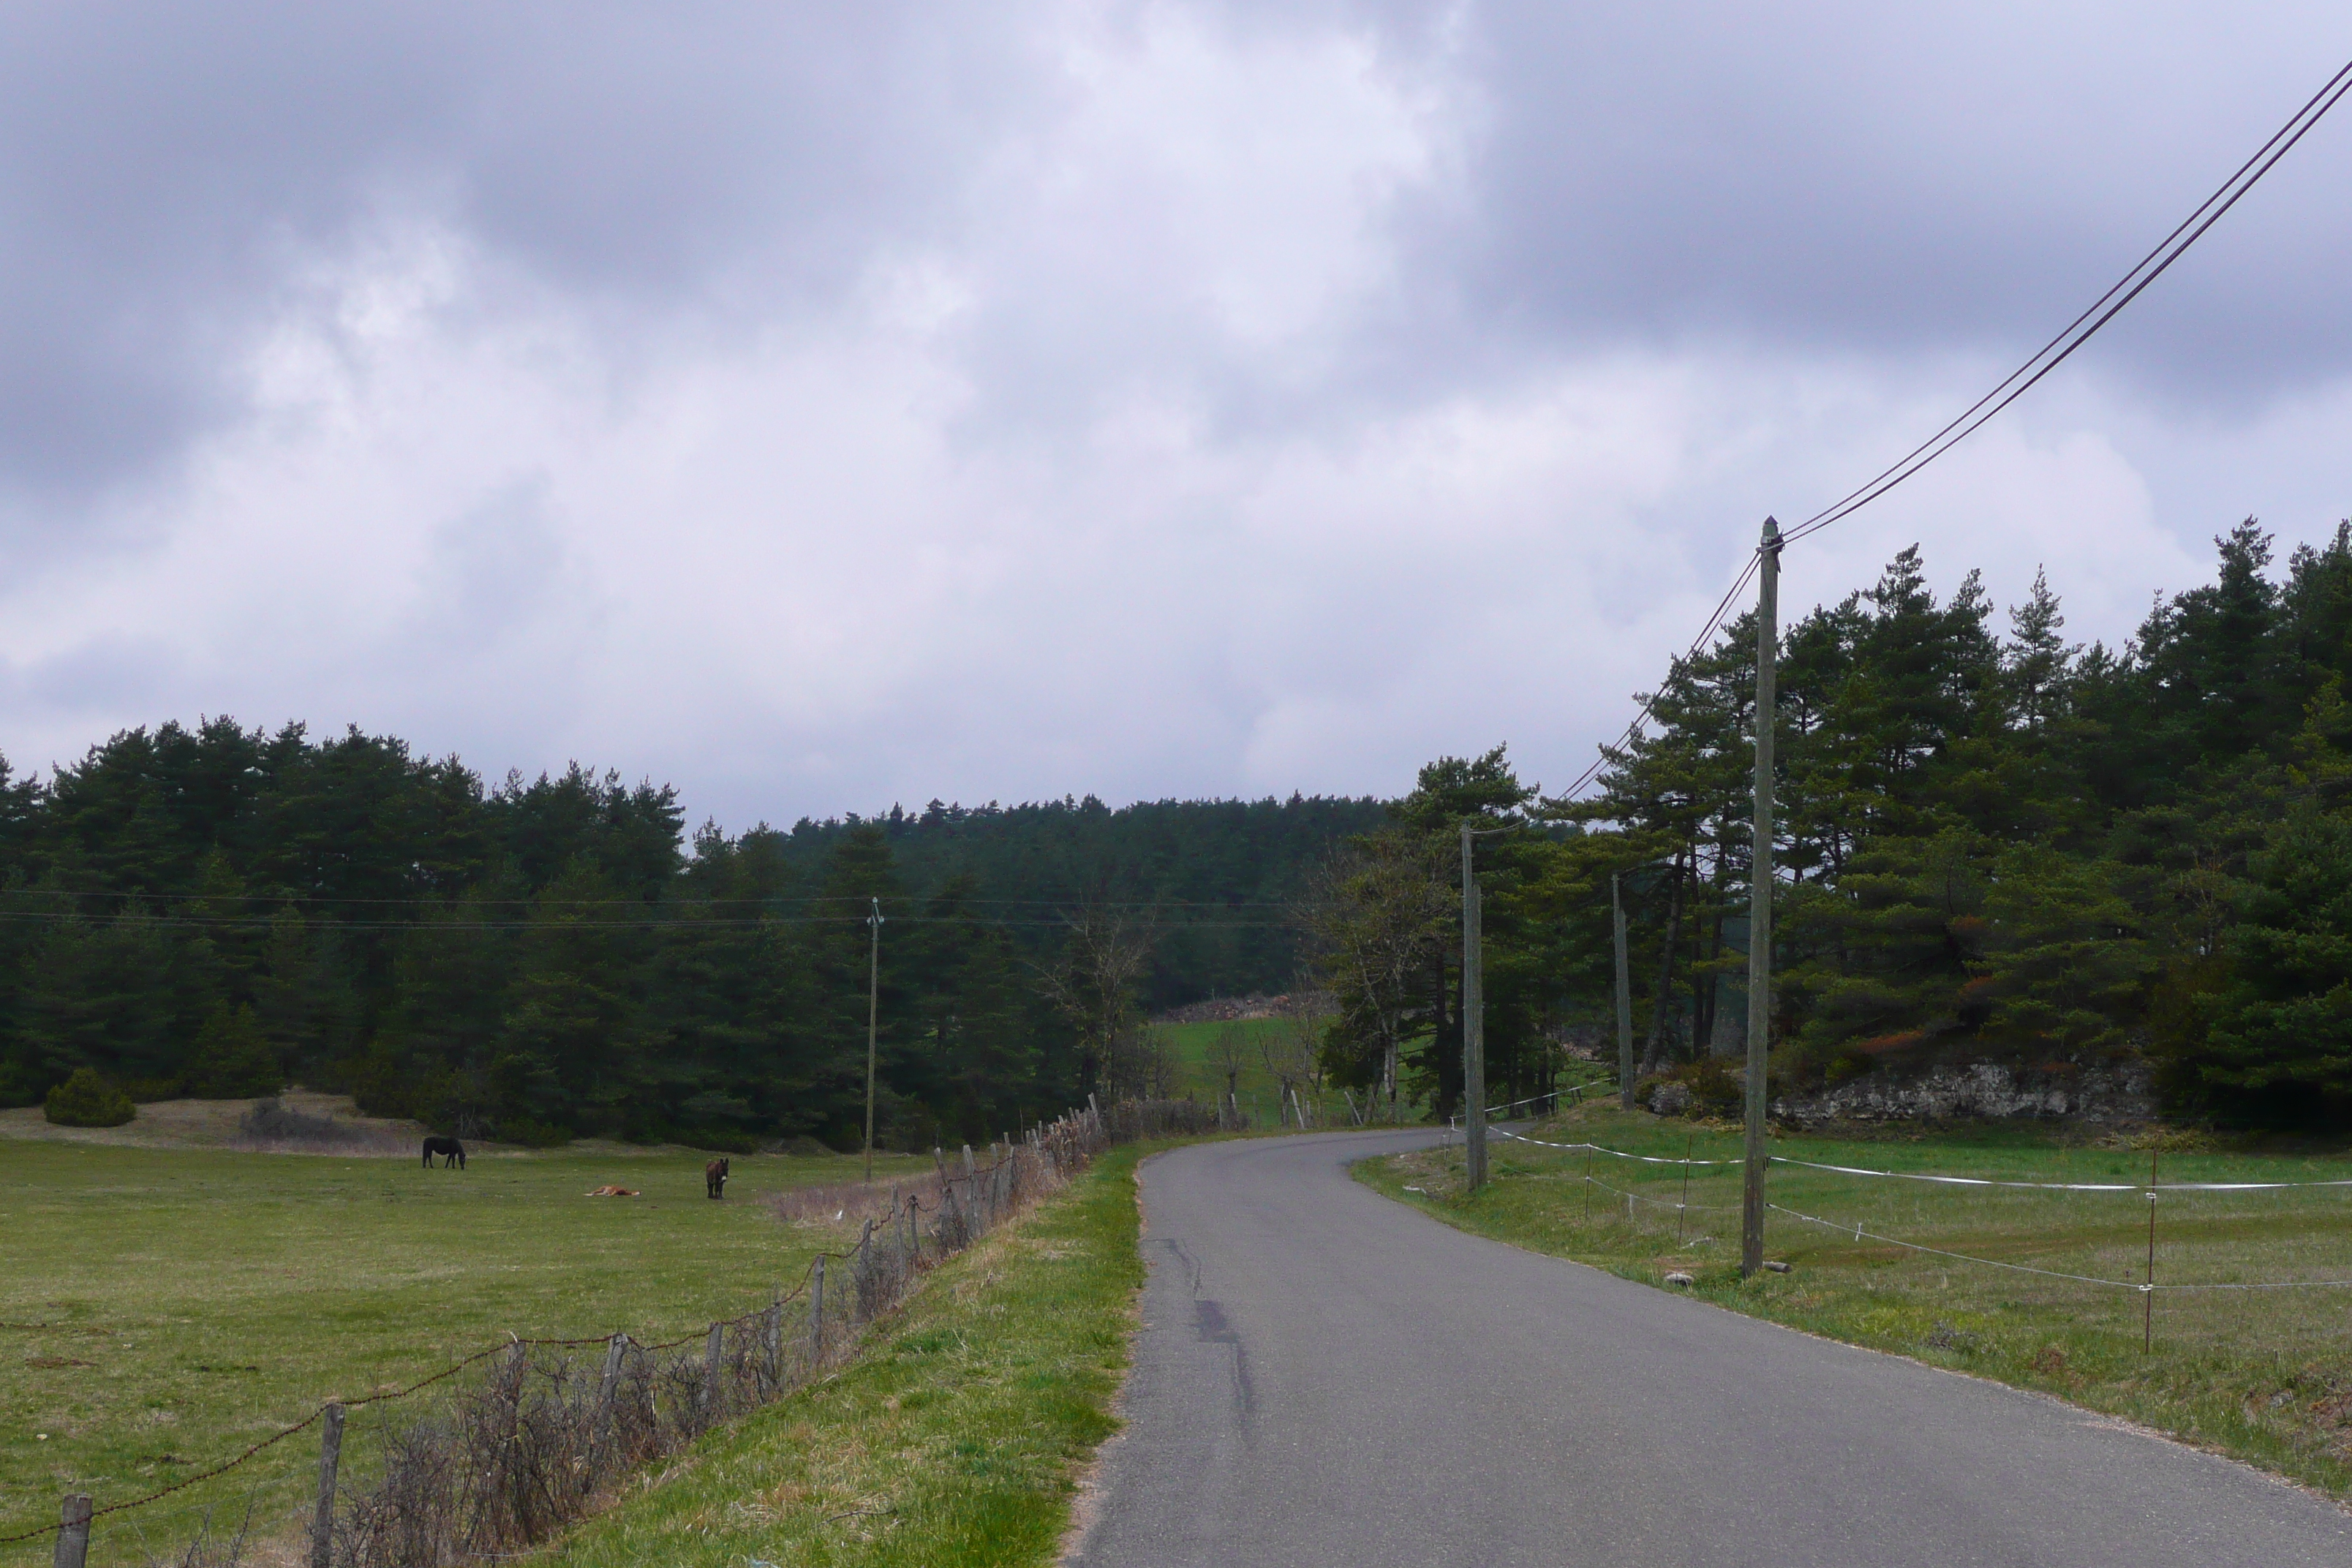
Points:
[(1861, 1233)]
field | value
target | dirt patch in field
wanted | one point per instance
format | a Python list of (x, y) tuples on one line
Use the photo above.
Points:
[(213, 1124)]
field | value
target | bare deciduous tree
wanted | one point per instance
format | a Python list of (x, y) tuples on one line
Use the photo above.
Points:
[(1374, 915), (1229, 1053), (1293, 1048), (1094, 985)]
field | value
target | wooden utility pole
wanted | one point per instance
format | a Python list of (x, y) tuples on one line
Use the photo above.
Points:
[(1760, 902), (1624, 1001), (873, 1022), (1473, 1020)]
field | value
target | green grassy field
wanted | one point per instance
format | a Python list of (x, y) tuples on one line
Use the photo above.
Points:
[(2261, 1374), (161, 1309), (1256, 1085), (954, 1442)]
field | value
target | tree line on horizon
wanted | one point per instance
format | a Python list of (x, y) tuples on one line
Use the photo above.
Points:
[(218, 911), (1992, 846)]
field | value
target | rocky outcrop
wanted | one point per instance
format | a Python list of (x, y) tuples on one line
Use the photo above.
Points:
[(2103, 1094), (1223, 1010)]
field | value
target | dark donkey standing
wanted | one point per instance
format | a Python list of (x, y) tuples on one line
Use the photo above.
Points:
[(714, 1177), (452, 1152)]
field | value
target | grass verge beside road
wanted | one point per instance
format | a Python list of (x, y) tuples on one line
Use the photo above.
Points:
[(953, 1441), (2261, 1376)]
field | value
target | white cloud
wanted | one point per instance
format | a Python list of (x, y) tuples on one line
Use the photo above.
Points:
[(1148, 457)]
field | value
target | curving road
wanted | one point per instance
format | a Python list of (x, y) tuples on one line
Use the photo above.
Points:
[(1325, 1378)]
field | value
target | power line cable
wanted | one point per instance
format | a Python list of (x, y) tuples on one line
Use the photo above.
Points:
[(2055, 352), (2049, 357)]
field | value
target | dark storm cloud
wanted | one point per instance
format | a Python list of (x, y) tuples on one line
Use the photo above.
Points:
[(1852, 177), (1879, 179), (165, 173)]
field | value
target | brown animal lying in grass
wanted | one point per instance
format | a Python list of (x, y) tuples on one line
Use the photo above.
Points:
[(613, 1193)]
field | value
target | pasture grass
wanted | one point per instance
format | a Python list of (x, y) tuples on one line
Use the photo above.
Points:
[(955, 1441), (162, 1308), (1200, 1075), (1259, 1091), (2263, 1375)]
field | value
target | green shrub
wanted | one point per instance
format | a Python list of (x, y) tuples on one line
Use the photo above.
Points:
[(148, 1090), (234, 1060), (89, 1100), (531, 1134)]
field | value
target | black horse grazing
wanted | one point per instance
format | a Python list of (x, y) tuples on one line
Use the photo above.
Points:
[(452, 1152), (714, 1178)]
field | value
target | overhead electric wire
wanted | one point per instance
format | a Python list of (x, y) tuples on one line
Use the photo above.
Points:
[(2049, 357), (468, 899), (2055, 352), (559, 923), (1650, 703)]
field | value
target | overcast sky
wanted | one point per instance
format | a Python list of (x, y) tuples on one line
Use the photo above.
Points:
[(822, 406)]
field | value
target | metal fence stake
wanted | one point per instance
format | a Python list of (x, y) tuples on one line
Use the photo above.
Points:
[(2147, 1292), (1683, 1207), (330, 1459)]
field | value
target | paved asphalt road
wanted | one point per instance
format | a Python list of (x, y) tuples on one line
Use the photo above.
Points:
[(1325, 1378)]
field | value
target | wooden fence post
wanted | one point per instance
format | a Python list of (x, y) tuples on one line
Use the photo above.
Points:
[(73, 1531), (714, 1355), (776, 1340), (817, 1311), (509, 1387), (330, 1459), (609, 1385)]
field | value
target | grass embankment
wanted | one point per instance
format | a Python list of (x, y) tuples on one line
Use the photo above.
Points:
[(162, 1310), (2259, 1375), (953, 1442)]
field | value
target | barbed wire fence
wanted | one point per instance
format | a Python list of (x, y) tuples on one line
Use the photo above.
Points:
[(449, 1470)]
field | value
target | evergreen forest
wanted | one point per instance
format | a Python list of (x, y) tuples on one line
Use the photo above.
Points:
[(1992, 844), (216, 911)]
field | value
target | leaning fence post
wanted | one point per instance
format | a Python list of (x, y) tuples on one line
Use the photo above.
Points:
[(330, 1458), (817, 1311), (73, 1531), (610, 1384)]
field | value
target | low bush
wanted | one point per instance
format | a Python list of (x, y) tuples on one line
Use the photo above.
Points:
[(272, 1119), (532, 1135), (89, 1100), (272, 1125), (1702, 1089)]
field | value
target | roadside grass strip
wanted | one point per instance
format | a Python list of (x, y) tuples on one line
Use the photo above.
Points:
[(2003, 1253), (955, 1438)]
